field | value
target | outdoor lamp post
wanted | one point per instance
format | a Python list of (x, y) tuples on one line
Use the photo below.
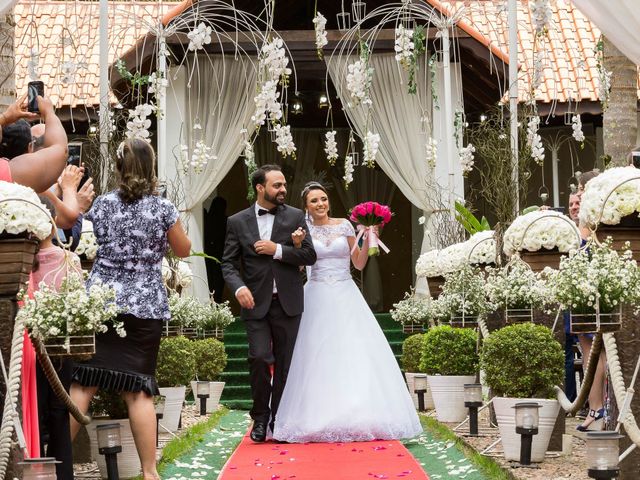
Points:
[(203, 394), (420, 389), (159, 416), (110, 445), (602, 452), (527, 417), (473, 401), (39, 468)]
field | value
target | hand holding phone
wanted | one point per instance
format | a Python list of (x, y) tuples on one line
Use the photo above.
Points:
[(34, 89)]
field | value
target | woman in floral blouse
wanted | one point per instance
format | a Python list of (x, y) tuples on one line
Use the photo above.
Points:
[(132, 226)]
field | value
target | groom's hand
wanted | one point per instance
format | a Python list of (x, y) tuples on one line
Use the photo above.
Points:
[(265, 247), (245, 298)]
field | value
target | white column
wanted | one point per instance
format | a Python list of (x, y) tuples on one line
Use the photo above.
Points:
[(104, 93), (162, 105), (554, 170), (513, 95)]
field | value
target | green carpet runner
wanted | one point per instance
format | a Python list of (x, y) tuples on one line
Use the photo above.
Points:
[(237, 392)]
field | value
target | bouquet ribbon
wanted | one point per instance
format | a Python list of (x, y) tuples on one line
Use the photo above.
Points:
[(371, 239)]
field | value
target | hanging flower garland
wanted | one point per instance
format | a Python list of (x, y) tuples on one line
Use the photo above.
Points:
[(404, 46), (319, 25), (348, 171), (359, 78), (576, 126), (201, 157), (284, 141), (466, 158), (184, 159), (431, 148), (541, 14), (331, 147), (535, 140), (604, 76), (139, 123), (199, 37), (370, 149), (267, 102)]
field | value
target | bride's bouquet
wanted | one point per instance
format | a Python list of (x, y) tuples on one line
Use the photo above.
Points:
[(368, 216)]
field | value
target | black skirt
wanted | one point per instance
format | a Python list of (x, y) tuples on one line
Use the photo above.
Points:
[(124, 364)]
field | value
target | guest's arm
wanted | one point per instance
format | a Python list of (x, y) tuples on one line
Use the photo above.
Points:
[(178, 240)]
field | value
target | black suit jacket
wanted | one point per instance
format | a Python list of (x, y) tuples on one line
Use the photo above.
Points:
[(242, 266)]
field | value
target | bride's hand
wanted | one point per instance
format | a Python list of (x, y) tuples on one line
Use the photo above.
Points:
[(298, 236)]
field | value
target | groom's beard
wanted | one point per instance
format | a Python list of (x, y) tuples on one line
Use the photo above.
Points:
[(277, 199)]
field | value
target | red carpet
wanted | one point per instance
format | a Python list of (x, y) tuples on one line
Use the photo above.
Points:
[(321, 461)]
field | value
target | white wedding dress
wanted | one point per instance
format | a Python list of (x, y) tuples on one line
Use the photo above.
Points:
[(344, 383)]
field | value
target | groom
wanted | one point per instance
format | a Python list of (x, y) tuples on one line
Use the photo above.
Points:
[(261, 266)]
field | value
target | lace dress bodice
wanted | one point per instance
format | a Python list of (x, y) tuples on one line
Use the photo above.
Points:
[(333, 253)]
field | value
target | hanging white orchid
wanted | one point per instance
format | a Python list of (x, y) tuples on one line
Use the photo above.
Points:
[(284, 140), (138, 124), (535, 140), (404, 45), (541, 14), (157, 83), (184, 159), (199, 37), (32, 65), (466, 158), (359, 76), (201, 157), (348, 171), (431, 148), (576, 126), (68, 71), (267, 101), (319, 24), (274, 60), (370, 150), (331, 147)]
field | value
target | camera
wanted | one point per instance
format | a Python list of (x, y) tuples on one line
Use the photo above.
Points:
[(34, 89)]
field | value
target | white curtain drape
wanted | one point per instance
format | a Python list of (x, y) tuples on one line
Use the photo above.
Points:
[(399, 118), (220, 100), (619, 20)]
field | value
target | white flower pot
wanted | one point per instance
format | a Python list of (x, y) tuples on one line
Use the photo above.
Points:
[(215, 392), (128, 460), (505, 414), (448, 396), (174, 399), (428, 399)]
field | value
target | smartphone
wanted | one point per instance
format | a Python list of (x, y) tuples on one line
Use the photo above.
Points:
[(34, 89), (635, 157), (557, 209), (85, 176), (75, 154)]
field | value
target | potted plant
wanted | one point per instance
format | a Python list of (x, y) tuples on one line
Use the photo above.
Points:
[(450, 360), (187, 312), (463, 298), (540, 237), (108, 407), (23, 221), (611, 203), (516, 290), (481, 248), (176, 367), (428, 266), (412, 312), (219, 317), (410, 360), (593, 283), (523, 361), (211, 359), (87, 248)]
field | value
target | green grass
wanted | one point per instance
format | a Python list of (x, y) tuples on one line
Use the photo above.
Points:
[(491, 469), (188, 440)]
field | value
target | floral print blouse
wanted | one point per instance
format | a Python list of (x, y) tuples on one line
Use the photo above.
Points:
[(132, 240)]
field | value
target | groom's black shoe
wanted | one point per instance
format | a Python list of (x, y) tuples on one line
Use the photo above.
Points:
[(258, 432)]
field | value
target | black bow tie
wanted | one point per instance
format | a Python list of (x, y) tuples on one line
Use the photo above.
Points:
[(262, 211)]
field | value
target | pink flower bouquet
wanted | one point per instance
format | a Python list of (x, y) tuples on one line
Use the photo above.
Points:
[(368, 216)]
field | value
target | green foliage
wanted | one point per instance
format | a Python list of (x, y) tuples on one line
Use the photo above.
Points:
[(176, 362), (210, 358), (411, 353), (449, 351), (110, 404), (522, 361), (469, 221)]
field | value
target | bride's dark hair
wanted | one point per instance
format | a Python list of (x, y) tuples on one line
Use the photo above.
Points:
[(308, 187)]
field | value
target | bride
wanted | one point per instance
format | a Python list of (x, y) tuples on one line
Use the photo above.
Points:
[(344, 383)]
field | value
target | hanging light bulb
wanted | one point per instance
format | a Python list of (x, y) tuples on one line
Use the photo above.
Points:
[(296, 107), (323, 101)]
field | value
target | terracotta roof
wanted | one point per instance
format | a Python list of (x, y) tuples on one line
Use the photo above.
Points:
[(67, 31), (570, 63)]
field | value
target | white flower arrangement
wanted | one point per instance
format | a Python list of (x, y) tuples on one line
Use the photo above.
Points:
[(576, 126), (597, 274), (411, 310), (274, 60), (348, 171), (462, 293), (157, 84), (359, 76), (541, 229), (201, 157), (181, 273), (428, 264), (624, 198), (284, 140), (466, 158), (18, 217), (73, 310), (319, 25), (541, 14), (267, 102), (431, 148), (370, 149), (139, 123), (88, 246), (187, 311), (535, 140), (514, 286), (481, 248), (219, 317), (331, 147), (199, 37), (453, 257), (404, 45)]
